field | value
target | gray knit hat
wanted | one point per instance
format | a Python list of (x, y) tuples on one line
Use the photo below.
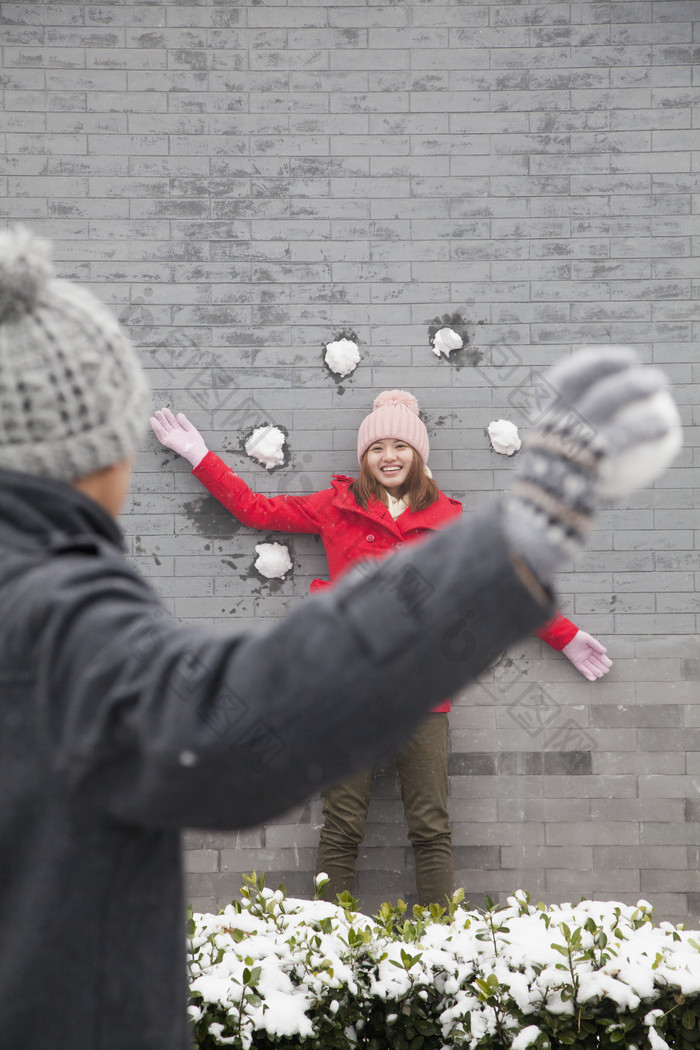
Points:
[(73, 396)]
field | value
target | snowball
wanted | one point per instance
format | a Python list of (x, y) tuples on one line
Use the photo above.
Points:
[(504, 436), (266, 444), (637, 466), (445, 341), (273, 560), (342, 357)]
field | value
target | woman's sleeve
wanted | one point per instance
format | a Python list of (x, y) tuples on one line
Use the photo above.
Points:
[(557, 632), (280, 513)]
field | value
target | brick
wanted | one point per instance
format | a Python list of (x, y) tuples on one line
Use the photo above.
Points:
[(590, 883), (199, 861)]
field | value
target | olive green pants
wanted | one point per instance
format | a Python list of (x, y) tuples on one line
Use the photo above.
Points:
[(422, 767)]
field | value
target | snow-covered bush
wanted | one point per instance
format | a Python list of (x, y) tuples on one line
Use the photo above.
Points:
[(272, 971)]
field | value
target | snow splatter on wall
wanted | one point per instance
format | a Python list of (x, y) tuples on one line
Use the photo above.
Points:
[(445, 341), (504, 437), (266, 444), (342, 356), (273, 560)]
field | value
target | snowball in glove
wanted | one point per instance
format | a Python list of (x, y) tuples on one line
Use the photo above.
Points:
[(612, 426)]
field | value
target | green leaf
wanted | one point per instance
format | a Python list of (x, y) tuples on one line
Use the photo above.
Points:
[(409, 960), (688, 1019)]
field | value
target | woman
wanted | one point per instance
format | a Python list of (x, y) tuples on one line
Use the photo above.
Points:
[(394, 501)]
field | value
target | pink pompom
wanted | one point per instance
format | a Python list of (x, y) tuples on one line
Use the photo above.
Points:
[(388, 398)]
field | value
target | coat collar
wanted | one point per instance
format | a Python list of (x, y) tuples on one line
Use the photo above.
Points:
[(37, 512), (433, 517)]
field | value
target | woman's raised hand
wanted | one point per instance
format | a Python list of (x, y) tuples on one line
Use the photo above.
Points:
[(177, 433)]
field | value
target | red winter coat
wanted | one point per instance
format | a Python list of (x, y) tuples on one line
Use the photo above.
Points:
[(349, 534)]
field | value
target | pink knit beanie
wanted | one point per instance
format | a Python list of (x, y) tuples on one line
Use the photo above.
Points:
[(395, 416)]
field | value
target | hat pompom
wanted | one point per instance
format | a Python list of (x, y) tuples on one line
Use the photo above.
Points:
[(25, 270), (390, 398)]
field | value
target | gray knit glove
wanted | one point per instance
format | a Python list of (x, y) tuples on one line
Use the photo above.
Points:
[(609, 426)]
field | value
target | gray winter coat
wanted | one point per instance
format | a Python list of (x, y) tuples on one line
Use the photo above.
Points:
[(120, 726)]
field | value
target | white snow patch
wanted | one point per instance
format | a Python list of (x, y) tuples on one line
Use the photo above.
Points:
[(266, 444), (273, 560), (445, 341), (342, 356), (504, 436), (525, 1038)]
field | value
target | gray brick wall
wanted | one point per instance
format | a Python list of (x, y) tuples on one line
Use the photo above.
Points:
[(244, 182)]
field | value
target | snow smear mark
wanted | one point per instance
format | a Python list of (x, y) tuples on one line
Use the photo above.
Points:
[(504, 436), (445, 341), (342, 356), (266, 444), (273, 560), (279, 965)]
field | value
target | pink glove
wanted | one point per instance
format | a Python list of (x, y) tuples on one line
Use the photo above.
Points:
[(588, 656), (177, 433)]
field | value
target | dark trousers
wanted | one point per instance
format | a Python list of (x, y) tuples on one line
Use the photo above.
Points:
[(422, 766)]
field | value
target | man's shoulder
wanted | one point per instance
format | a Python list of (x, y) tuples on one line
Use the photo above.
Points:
[(70, 568)]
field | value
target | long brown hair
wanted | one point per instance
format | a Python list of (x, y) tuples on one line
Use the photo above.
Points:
[(420, 492)]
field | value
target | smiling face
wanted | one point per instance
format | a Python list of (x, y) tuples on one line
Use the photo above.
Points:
[(390, 461)]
